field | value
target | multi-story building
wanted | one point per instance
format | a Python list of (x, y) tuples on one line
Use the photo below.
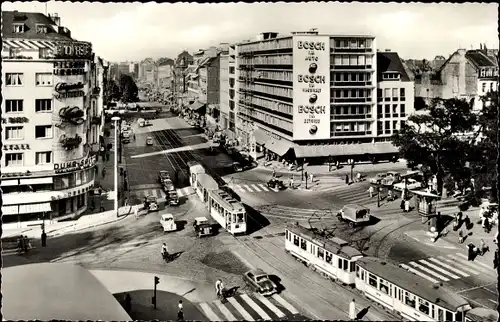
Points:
[(48, 90), (224, 90), (309, 96), (165, 76), (231, 122), (133, 69)]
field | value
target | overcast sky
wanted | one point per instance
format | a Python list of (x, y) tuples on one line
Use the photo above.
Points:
[(132, 31)]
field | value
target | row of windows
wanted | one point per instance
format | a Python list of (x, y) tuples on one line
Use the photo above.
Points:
[(17, 79), (385, 127), (17, 106), (268, 119), (352, 60), (17, 159), (268, 60), (491, 87), (353, 110), (353, 77), (489, 72), (351, 43), (272, 90), (387, 110), (389, 76), (281, 75), (17, 132), (267, 45), (405, 297), (348, 93), (273, 105), (352, 127), (386, 93), (319, 252), (229, 216)]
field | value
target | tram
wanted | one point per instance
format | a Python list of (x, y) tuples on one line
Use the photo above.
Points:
[(204, 183), (228, 212), (333, 257), (414, 297), (195, 168)]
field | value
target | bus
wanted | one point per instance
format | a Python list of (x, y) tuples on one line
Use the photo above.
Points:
[(228, 212)]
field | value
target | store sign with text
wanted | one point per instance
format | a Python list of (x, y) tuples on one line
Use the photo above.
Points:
[(311, 87), (70, 166), (73, 49)]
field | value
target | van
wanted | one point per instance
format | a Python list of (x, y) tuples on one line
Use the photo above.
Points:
[(354, 214)]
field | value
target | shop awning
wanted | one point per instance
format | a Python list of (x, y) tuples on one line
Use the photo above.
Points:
[(10, 210), (261, 137), (280, 147), (196, 106), (344, 149), (35, 207)]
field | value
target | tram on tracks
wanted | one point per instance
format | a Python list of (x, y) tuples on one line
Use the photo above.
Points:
[(228, 212), (204, 185), (412, 296)]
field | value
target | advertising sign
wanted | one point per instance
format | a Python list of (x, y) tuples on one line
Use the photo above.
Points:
[(311, 87), (75, 165), (73, 49)]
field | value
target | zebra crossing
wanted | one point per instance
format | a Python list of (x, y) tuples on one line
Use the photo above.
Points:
[(326, 184), (248, 307), (252, 188), (447, 268), (160, 194)]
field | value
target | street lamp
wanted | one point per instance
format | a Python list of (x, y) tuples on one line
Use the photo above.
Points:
[(116, 119)]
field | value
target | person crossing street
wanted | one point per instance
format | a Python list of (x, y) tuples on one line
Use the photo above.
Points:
[(371, 191), (352, 310)]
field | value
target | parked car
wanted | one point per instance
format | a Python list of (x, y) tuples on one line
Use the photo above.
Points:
[(260, 282), (141, 122), (149, 140), (412, 185), (378, 178), (163, 175), (173, 198), (391, 178), (168, 185), (168, 223), (354, 214)]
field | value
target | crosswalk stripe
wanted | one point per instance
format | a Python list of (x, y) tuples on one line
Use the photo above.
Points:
[(229, 316), (248, 188), (408, 268), (425, 269), (270, 305), (246, 316), (256, 188), (274, 189), (255, 307), (464, 264), (439, 269), (209, 313), (263, 187), (456, 270), (476, 262), (240, 188), (285, 304)]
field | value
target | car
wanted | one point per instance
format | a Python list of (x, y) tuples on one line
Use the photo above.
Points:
[(378, 178), (391, 178), (260, 282), (147, 123), (149, 140), (412, 185), (163, 175), (202, 227), (354, 215), (168, 185), (168, 223)]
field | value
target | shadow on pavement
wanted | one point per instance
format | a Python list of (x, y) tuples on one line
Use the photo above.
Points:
[(166, 306), (276, 280), (255, 220)]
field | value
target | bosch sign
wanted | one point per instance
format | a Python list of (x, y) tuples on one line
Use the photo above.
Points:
[(311, 45)]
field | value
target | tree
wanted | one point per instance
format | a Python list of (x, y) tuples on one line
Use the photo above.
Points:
[(165, 61), (433, 138), (129, 90), (111, 91)]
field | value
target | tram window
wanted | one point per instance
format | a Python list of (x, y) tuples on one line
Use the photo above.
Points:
[(383, 286), (352, 266), (328, 257), (286, 234), (296, 240), (390, 290), (321, 253), (410, 299), (449, 316), (395, 292), (440, 314), (458, 316), (432, 311), (346, 265), (372, 280), (357, 271), (303, 244), (240, 217), (340, 263), (423, 306), (362, 274)]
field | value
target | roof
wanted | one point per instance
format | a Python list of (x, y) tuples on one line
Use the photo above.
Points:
[(412, 283), (167, 216), (207, 181), (257, 271), (223, 197), (390, 62), (62, 292), (480, 59), (355, 207), (334, 245), (30, 20)]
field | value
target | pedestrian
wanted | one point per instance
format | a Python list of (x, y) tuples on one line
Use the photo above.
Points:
[(291, 182), (312, 178), (483, 248), (134, 136), (26, 243), (402, 204), (128, 303), (103, 172), (44, 239), (470, 252), (274, 173), (495, 259), (370, 191), (180, 312), (136, 212), (306, 175), (407, 205), (461, 234), (358, 177), (107, 155), (486, 225), (346, 179), (352, 310)]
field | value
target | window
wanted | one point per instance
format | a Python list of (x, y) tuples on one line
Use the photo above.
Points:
[(353, 43), (18, 28), (361, 60), (491, 87), (295, 240), (402, 108), (387, 127), (43, 157), (321, 253), (41, 29), (394, 126), (13, 159), (13, 106), (43, 105), (423, 306), (328, 257), (395, 109), (43, 131), (402, 92), (384, 286), (353, 60), (338, 60), (372, 280), (410, 299), (345, 60), (387, 110), (484, 87), (379, 110), (387, 93), (403, 123), (43, 79), (352, 266), (394, 92), (14, 79), (346, 265), (303, 244), (338, 77), (14, 133), (449, 316)]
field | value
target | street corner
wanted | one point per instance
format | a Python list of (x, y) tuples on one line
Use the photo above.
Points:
[(423, 237)]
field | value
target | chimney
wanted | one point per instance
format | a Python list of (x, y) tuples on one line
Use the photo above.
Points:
[(55, 18), (481, 46)]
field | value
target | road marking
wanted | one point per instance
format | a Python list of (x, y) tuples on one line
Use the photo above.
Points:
[(439, 269), (425, 269), (239, 188), (270, 305), (246, 316), (248, 188), (263, 187), (255, 307), (456, 270), (274, 189), (209, 313), (229, 316), (408, 268), (256, 188), (464, 264), (285, 304), (482, 264)]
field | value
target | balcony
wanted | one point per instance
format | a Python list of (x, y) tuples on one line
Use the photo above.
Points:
[(352, 117), (352, 50)]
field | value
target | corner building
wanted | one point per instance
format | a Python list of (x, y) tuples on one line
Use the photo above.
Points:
[(50, 119), (309, 96)]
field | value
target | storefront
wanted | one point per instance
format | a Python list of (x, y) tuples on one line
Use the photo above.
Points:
[(273, 147)]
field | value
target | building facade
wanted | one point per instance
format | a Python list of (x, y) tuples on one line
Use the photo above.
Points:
[(224, 90), (309, 96), (51, 104)]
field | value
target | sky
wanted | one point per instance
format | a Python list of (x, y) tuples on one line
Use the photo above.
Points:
[(135, 31)]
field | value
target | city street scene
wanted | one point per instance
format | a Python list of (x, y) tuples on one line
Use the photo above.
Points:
[(266, 161)]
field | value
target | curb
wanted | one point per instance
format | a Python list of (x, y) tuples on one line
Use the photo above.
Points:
[(431, 244)]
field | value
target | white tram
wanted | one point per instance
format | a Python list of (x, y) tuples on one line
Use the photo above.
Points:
[(414, 297), (332, 257), (228, 212), (204, 183), (194, 169)]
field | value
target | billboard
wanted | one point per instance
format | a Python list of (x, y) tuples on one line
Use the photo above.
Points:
[(311, 87)]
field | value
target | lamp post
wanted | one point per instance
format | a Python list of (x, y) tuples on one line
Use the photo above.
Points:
[(115, 119)]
